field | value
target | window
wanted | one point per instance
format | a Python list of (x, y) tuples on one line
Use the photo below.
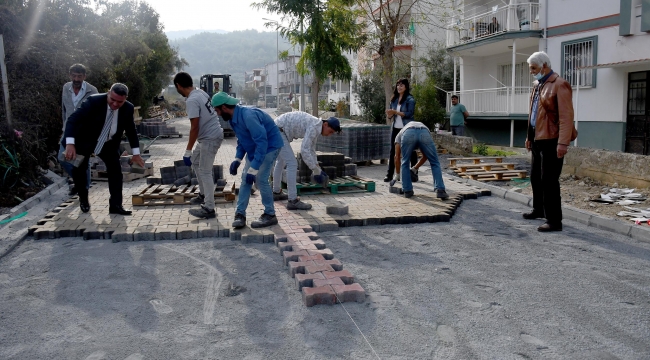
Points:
[(523, 79), (576, 54)]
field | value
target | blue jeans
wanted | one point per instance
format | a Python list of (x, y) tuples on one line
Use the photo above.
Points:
[(262, 181), (411, 139), (68, 167)]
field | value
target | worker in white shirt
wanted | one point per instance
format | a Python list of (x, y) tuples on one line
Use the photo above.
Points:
[(296, 125)]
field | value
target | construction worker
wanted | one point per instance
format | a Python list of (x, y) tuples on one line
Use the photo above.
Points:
[(260, 141), (206, 130), (297, 125)]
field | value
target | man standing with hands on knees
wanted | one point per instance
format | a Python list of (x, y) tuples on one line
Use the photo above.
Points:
[(205, 129), (296, 125), (259, 139), (550, 131), (97, 127)]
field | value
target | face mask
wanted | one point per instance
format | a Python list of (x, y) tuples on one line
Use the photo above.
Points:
[(538, 76)]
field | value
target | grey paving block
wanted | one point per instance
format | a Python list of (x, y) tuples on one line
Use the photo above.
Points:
[(93, 233), (144, 234), (164, 234), (395, 190), (252, 237), (154, 180), (235, 235), (330, 226), (268, 238), (279, 239), (122, 235), (182, 181), (45, 233), (315, 227), (371, 221), (337, 209), (209, 232), (187, 233)]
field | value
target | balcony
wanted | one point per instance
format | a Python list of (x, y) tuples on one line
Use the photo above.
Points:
[(494, 101), (520, 17), (403, 37)]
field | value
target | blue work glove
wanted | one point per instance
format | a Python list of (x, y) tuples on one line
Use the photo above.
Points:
[(187, 158), (320, 178), (251, 174), (233, 167)]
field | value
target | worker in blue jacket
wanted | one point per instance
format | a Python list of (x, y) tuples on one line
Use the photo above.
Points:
[(260, 140)]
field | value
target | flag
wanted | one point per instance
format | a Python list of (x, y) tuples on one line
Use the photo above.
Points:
[(412, 27)]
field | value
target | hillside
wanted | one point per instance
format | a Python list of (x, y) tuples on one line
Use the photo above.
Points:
[(181, 34), (229, 53)]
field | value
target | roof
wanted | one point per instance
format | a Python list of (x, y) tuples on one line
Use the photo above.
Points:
[(616, 64)]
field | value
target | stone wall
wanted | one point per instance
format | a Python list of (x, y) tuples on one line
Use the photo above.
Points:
[(459, 145), (610, 167)]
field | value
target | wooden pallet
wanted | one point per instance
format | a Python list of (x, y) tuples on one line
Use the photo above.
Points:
[(340, 185), (475, 160), (462, 168), (96, 175), (496, 175), (158, 195)]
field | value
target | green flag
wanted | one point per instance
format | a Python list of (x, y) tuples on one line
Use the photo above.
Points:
[(412, 27)]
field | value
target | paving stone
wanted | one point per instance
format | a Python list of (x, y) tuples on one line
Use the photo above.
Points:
[(209, 232), (307, 280), (93, 233), (311, 269), (345, 276), (187, 232), (164, 234), (395, 190), (337, 209), (327, 253), (252, 237), (235, 235), (304, 258), (144, 234), (45, 233), (349, 293), (334, 263), (318, 295), (372, 222), (279, 239), (288, 256), (325, 282), (268, 238), (296, 267), (122, 235)]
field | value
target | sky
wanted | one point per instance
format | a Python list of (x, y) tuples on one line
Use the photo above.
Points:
[(229, 15)]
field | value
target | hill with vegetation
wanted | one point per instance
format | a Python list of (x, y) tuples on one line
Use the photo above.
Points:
[(231, 53)]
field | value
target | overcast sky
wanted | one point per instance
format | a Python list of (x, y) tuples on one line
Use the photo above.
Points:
[(226, 15)]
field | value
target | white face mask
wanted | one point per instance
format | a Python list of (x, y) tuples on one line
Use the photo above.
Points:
[(539, 75)]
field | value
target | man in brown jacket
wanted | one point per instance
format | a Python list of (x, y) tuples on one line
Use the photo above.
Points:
[(550, 130)]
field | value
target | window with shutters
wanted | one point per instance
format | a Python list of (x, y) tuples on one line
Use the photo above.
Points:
[(577, 54)]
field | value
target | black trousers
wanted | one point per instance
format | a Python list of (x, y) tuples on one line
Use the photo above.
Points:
[(111, 156), (545, 179), (391, 159)]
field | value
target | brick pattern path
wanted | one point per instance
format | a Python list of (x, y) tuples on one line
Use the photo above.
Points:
[(318, 275)]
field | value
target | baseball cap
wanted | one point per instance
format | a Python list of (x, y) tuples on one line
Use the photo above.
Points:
[(334, 123), (221, 98)]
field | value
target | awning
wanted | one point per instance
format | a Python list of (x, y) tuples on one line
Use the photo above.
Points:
[(616, 64)]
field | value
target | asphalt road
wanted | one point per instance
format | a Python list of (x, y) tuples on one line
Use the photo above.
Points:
[(486, 285)]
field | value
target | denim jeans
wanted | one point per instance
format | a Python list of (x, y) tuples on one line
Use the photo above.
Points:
[(262, 181), (287, 157), (202, 164), (68, 167), (420, 137), (458, 130)]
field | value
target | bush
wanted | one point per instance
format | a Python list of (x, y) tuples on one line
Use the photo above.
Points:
[(481, 149), (427, 107), (372, 100)]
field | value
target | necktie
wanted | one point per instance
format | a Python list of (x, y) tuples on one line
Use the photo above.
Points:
[(104, 135)]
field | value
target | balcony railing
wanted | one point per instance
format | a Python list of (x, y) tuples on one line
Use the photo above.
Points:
[(403, 37), (493, 101), (519, 17)]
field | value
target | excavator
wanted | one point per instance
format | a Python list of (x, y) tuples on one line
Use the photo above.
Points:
[(207, 83)]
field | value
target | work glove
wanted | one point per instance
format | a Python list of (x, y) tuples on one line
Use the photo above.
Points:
[(396, 178), (234, 165), (414, 170), (321, 177), (251, 175), (187, 158)]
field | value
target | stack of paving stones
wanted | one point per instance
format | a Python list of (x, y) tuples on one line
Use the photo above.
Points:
[(181, 174), (156, 127), (334, 164), (359, 141)]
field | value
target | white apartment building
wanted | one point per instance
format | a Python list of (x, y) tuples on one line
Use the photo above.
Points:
[(603, 45)]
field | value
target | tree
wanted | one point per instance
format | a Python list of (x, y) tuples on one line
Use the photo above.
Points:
[(331, 28), (385, 18), (439, 66), (250, 95)]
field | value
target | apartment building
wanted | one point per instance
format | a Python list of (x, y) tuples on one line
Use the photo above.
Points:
[(601, 46)]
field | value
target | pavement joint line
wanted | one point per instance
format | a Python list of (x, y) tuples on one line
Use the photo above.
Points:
[(574, 214), (357, 326)]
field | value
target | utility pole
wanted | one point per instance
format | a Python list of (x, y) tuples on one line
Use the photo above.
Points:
[(5, 82)]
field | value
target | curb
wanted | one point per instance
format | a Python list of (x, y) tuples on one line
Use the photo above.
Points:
[(584, 217), (59, 182)]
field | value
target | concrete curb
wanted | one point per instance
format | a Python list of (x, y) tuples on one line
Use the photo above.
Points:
[(59, 182), (582, 216), (15, 238)]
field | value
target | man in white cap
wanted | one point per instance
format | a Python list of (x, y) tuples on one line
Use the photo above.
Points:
[(297, 125)]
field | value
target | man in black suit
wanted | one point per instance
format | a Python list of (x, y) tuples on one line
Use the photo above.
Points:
[(97, 127)]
